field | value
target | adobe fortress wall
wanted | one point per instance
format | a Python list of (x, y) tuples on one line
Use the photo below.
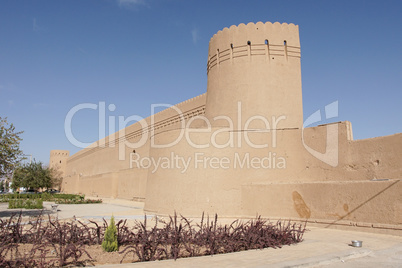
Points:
[(104, 168), (241, 149)]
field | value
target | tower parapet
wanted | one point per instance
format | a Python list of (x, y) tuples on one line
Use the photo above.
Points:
[(255, 68), (268, 40)]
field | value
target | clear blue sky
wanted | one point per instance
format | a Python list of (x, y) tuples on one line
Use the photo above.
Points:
[(132, 53)]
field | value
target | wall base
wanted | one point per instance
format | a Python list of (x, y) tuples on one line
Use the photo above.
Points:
[(365, 205)]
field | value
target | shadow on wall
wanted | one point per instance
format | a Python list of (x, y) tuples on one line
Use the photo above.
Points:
[(362, 204)]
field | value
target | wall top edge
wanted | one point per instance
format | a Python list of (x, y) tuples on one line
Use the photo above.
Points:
[(252, 24), (157, 116)]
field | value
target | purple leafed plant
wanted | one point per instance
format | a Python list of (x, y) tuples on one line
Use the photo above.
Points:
[(59, 243)]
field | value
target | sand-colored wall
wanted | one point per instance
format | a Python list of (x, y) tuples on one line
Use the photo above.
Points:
[(239, 164), (215, 177), (375, 158), (108, 161), (368, 204)]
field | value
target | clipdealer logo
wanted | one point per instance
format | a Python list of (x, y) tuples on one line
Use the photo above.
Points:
[(330, 156), (235, 138), (271, 160)]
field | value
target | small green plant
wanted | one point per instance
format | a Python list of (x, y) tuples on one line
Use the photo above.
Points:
[(109, 243)]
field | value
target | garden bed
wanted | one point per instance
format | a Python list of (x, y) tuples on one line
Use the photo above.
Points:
[(47, 242)]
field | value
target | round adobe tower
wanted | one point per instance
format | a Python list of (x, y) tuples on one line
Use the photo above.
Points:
[(254, 70), (254, 86)]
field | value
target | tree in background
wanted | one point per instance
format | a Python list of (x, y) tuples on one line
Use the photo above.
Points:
[(32, 176), (4, 185), (57, 177), (10, 153)]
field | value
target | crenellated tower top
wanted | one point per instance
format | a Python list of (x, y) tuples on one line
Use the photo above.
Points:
[(254, 39), (255, 33)]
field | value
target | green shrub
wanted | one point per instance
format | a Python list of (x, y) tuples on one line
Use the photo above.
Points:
[(25, 203), (3, 198), (109, 243), (46, 196), (13, 196), (58, 198), (77, 202), (15, 203)]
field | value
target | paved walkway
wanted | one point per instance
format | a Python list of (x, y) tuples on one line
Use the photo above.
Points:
[(320, 248)]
